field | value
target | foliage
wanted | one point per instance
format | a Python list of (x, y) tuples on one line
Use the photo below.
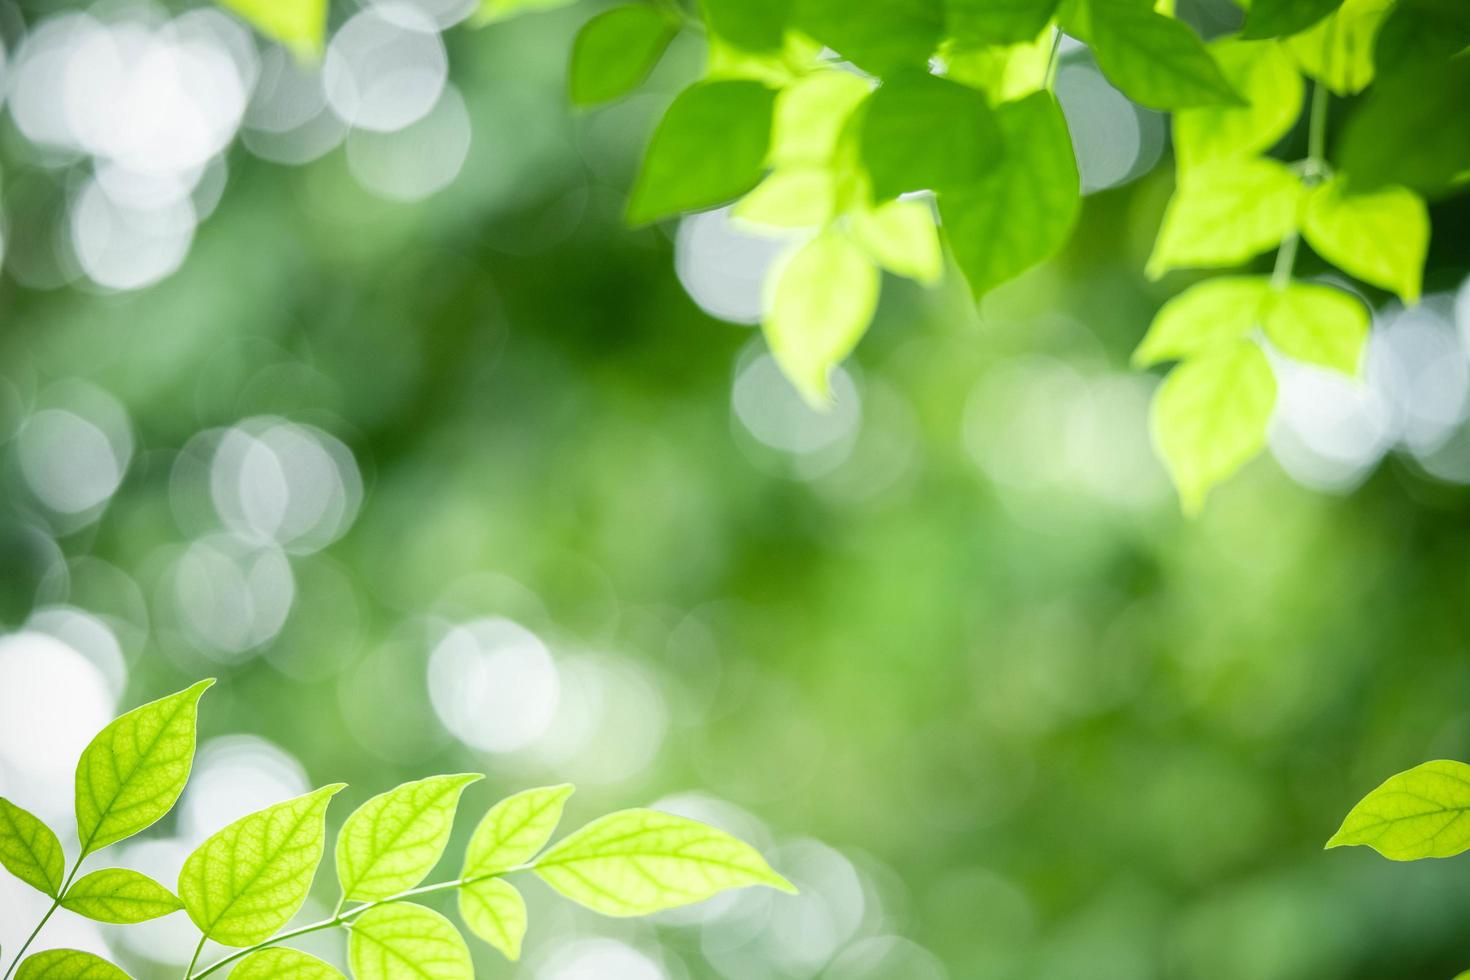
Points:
[(244, 884)]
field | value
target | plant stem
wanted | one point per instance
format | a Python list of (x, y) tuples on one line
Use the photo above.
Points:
[(1314, 169), (1053, 59), (197, 950), (55, 904)]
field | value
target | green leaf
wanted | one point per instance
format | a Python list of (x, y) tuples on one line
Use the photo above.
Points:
[(615, 51), (990, 22), (756, 25), (1419, 813), (1023, 212), (921, 132), (1411, 130), (822, 303), (1209, 417), (1338, 51), (491, 11), (792, 197), (495, 912), (635, 862), (1318, 324), (1267, 78), (1224, 213), (811, 114), (1421, 31), (404, 941), (1278, 18), (1005, 73), (901, 237), (29, 850), (878, 36), (1157, 61), (514, 830), (67, 964), (284, 964), (246, 881), (1206, 316), (300, 25), (394, 839), (134, 770), (681, 173), (119, 895), (1380, 237)]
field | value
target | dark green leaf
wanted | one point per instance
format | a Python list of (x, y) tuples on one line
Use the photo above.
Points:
[(756, 25), (615, 51), (920, 132), (1278, 18), (1422, 31), (1156, 60), (985, 22), (876, 35), (1412, 130)]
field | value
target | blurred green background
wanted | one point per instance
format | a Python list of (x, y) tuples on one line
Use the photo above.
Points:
[(439, 467)]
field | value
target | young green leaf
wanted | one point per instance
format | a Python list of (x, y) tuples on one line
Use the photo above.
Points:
[(1319, 325), (990, 22), (284, 964), (1004, 73), (246, 881), (681, 170), (1224, 213), (1206, 316), (1157, 61), (901, 237), (1023, 212), (300, 25), (615, 51), (878, 36), (1411, 130), (394, 839), (404, 941), (791, 197), (1380, 237), (636, 862), (810, 116), (822, 303), (119, 895), (68, 964), (134, 770), (495, 912), (1268, 80), (1210, 415), (755, 25), (1338, 51), (1419, 813), (514, 830), (1278, 18), (921, 132), (29, 850)]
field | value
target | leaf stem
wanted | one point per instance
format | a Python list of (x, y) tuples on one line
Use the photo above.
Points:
[(193, 962), (55, 904), (1314, 169), (1053, 59)]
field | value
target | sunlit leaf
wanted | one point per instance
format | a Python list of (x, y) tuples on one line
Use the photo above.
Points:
[(1023, 212), (635, 862), (29, 850), (394, 839), (988, 22), (921, 132), (681, 173), (1267, 79), (1006, 72), (1207, 315), (1381, 237), (1278, 18), (404, 941), (284, 964), (794, 197), (810, 115), (1423, 812), (514, 830), (246, 881), (1210, 415), (1224, 213), (1156, 60), (822, 303), (119, 895), (616, 50), (879, 36), (300, 25), (495, 911), (1338, 51), (1318, 324), (67, 964), (134, 770), (901, 236)]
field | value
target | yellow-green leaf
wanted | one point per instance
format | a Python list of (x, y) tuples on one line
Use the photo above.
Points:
[(394, 839), (119, 895), (1267, 79), (300, 25), (514, 830), (901, 236), (810, 114), (1207, 315), (822, 303), (1224, 213), (284, 964), (1338, 50), (1423, 812), (29, 850), (67, 964), (1318, 324), (635, 862), (404, 941), (792, 197), (495, 912), (246, 881), (134, 770), (1210, 416), (1381, 237)]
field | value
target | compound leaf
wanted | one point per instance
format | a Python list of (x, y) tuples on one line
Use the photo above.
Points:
[(119, 895), (635, 862), (1224, 213), (1381, 237), (1419, 813), (615, 51), (284, 964), (1278, 18), (394, 839), (67, 964), (514, 830), (404, 941), (246, 881), (134, 770), (921, 132), (29, 849), (1318, 324), (1205, 316), (1157, 61), (495, 912), (1268, 80)]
